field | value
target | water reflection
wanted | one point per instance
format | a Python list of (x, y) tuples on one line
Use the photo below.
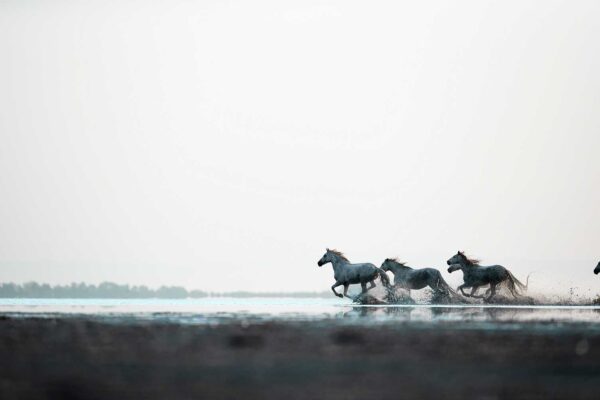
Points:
[(229, 310), (355, 312), (478, 314), (402, 313)]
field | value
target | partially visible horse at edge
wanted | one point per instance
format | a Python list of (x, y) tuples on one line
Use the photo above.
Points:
[(347, 274), (408, 278), (597, 269), (475, 276)]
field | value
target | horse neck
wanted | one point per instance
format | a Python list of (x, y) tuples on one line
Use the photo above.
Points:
[(466, 267), (338, 263), (398, 269)]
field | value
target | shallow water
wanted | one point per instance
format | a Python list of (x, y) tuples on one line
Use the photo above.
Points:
[(218, 310)]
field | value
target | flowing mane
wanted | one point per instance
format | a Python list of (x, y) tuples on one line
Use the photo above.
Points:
[(400, 263), (473, 261), (339, 254)]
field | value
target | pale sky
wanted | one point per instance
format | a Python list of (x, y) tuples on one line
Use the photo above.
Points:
[(222, 145)]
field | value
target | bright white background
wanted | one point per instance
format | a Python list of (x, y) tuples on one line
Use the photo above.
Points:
[(222, 145)]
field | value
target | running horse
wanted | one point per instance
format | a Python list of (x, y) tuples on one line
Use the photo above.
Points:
[(475, 276), (408, 278), (347, 274)]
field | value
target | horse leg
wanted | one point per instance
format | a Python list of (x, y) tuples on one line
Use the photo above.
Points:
[(372, 284), (336, 284), (363, 285), (437, 287), (473, 291), (346, 286), (492, 289), (461, 288)]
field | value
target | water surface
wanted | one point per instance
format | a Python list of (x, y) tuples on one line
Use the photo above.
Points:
[(217, 310)]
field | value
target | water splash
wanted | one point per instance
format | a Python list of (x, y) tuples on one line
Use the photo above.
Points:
[(427, 296)]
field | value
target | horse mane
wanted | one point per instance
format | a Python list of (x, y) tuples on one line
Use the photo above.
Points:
[(473, 261), (339, 254), (396, 261)]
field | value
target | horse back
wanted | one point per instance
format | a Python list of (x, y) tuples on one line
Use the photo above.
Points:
[(490, 274), (356, 273), (417, 278)]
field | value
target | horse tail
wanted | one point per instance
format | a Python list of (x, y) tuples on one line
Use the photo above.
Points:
[(390, 297), (449, 289), (442, 283), (385, 279), (514, 285)]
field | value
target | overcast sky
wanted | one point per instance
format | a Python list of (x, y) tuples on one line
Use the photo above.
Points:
[(222, 145)]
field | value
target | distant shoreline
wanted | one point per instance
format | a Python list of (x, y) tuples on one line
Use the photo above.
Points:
[(110, 290)]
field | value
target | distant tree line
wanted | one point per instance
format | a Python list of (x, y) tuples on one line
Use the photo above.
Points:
[(110, 290), (102, 291)]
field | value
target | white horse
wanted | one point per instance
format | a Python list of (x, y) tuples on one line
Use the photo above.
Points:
[(346, 273)]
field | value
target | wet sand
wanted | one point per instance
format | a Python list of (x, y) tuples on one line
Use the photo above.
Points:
[(87, 358)]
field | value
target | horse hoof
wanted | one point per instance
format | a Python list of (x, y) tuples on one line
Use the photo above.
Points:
[(339, 295)]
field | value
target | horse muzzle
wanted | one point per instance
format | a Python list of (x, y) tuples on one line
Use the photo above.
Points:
[(597, 270), (452, 268), (320, 263)]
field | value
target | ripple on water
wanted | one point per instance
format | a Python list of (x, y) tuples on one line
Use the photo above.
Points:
[(215, 311)]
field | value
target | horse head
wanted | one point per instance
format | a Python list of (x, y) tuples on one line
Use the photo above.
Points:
[(330, 256), (325, 259), (456, 261), (597, 269), (386, 264)]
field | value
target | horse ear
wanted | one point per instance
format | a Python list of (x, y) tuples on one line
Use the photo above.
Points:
[(327, 248)]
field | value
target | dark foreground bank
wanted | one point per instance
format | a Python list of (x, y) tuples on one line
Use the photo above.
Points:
[(86, 358)]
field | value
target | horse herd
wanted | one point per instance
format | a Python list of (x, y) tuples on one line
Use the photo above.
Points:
[(475, 276)]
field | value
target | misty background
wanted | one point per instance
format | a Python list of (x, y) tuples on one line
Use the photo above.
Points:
[(222, 145)]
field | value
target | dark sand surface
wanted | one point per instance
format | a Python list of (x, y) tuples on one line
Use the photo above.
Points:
[(87, 358)]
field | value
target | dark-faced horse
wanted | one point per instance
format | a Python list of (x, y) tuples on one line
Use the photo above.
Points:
[(475, 276), (408, 278), (346, 273), (597, 269)]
